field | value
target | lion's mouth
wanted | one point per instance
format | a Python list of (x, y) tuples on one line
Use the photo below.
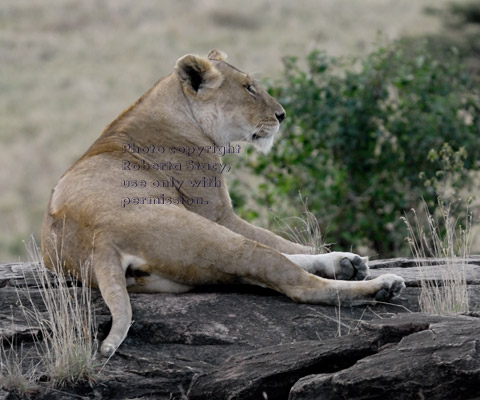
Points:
[(264, 134), (259, 136)]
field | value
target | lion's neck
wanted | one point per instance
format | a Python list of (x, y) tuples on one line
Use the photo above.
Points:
[(161, 114)]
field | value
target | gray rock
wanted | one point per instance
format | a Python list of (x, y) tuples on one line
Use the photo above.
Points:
[(271, 371), (431, 269), (244, 342), (439, 361)]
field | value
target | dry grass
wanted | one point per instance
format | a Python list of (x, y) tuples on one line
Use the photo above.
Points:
[(304, 230), (67, 346), (18, 374), (69, 67), (442, 236)]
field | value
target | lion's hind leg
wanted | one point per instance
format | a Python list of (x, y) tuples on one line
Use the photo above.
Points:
[(335, 292), (208, 253)]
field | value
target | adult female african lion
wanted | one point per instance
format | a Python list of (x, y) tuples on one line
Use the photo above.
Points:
[(147, 207)]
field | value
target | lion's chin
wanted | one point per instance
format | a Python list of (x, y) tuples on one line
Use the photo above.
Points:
[(263, 144)]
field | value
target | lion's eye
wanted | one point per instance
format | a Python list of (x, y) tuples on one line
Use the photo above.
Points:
[(250, 88)]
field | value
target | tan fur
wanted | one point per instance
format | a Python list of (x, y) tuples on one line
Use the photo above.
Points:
[(172, 248)]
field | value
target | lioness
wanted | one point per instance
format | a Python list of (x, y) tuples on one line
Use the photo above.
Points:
[(147, 206)]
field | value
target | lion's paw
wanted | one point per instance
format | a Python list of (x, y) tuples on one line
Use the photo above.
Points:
[(343, 266), (335, 265), (353, 268), (391, 286)]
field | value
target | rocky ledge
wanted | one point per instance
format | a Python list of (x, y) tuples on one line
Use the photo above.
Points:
[(244, 342)]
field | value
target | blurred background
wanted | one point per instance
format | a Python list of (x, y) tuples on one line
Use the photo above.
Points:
[(68, 68)]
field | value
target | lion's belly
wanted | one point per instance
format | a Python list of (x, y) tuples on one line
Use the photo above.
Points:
[(154, 277), (155, 284)]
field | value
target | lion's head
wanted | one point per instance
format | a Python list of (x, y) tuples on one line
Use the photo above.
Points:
[(227, 103)]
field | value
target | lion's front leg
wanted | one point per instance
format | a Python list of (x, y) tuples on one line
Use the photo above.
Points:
[(335, 265), (233, 222)]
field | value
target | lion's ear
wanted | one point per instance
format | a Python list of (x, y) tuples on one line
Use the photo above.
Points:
[(217, 55), (198, 74)]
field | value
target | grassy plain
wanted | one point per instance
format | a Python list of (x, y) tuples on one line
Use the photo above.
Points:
[(67, 68)]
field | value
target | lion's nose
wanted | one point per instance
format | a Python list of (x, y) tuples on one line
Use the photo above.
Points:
[(280, 116)]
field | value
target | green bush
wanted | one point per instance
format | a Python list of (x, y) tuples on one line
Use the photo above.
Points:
[(366, 139)]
